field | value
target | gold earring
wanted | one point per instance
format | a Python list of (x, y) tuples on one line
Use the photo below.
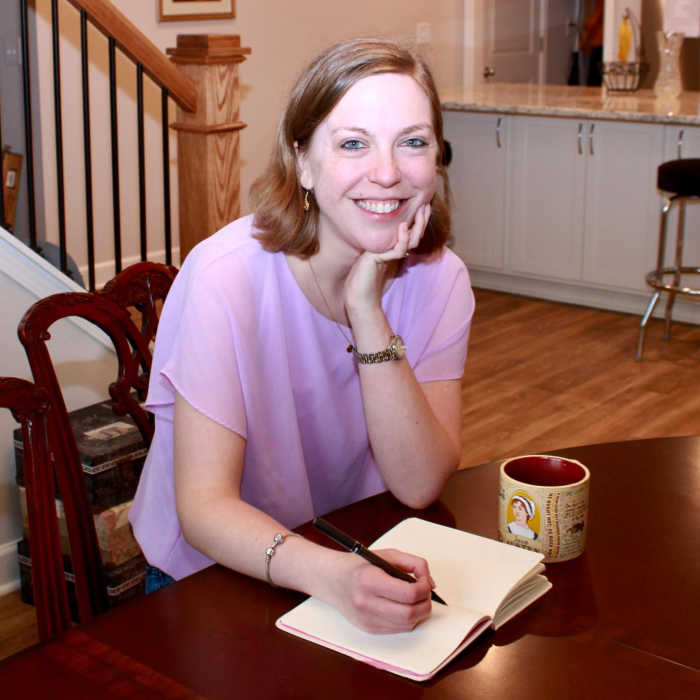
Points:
[(307, 203)]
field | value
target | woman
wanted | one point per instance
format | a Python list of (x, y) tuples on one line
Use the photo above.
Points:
[(263, 420), (523, 512)]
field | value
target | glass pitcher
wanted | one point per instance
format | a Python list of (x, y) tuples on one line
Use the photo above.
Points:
[(668, 82)]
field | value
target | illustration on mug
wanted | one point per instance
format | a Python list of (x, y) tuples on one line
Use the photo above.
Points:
[(522, 518)]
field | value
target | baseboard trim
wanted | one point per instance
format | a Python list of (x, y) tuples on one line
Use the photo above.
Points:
[(629, 302), (9, 568)]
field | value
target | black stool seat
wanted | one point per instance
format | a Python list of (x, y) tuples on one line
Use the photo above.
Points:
[(680, 177)]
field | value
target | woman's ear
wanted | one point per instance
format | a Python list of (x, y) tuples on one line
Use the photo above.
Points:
[(303, 171)]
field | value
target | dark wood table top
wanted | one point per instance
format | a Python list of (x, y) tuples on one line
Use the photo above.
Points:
[(622, 620)]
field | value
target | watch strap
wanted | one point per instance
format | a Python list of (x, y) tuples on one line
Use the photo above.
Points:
[(394, 351)]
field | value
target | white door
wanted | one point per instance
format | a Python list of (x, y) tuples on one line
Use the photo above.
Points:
[(547, 169), (621, 202), (478, 182), (512, 44), (514, 41)]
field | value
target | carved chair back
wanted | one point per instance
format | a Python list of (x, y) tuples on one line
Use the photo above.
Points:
[(29, 405), (142, 287)]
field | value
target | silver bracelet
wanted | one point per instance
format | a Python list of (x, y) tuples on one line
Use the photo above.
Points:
[(277, 540)]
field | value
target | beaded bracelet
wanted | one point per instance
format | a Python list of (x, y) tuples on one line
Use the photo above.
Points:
[(277, 540)]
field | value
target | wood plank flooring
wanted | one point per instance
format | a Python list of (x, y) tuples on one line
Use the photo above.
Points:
[(541, 376)]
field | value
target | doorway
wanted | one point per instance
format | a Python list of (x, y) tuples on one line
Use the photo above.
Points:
[(523, 41)]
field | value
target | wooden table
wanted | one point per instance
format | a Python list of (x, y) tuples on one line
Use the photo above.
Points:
[(623, 620)]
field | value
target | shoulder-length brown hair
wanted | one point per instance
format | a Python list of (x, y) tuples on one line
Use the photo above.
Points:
[(277, 196)]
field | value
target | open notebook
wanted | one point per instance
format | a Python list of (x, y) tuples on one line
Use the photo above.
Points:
[(484, 582)]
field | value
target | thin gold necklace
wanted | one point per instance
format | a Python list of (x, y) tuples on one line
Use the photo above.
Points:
[(350, 346)]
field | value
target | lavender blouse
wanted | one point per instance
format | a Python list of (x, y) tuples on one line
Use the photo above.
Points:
[(241, 343)]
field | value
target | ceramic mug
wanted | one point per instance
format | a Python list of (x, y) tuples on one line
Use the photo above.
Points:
[(543, 505)]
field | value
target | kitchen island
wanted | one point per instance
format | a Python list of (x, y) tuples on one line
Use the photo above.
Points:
[(554, 189)]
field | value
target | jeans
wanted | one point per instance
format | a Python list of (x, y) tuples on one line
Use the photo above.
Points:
[(155, 579)]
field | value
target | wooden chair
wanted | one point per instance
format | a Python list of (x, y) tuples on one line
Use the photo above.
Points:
[(143, 287), (29, 405)]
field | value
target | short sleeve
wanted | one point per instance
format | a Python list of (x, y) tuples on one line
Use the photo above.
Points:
[(196, 350), (442, 322), (446, 353)]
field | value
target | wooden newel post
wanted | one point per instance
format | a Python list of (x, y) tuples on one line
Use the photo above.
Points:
[(208, 139)]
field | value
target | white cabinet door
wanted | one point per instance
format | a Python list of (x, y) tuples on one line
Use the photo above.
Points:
[(547, 168), (477, 179), (621, 202)]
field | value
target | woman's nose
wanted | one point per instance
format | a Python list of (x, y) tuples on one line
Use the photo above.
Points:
[(385, 170)]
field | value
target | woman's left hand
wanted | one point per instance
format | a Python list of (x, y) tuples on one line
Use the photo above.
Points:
[(365, 282)]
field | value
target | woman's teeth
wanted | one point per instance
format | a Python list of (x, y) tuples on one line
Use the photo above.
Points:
[(379, 207)]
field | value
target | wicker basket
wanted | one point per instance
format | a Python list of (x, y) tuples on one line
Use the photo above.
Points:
[(622, 77)]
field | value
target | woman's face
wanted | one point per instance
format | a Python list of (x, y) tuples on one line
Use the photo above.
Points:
[(519, 513), (371, 162)]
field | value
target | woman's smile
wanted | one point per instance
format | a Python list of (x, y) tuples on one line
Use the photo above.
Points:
[(380, 206)]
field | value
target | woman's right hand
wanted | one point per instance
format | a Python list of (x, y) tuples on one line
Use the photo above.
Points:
[(379, 603)]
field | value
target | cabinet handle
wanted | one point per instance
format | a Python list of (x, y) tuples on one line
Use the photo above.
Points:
[(681, 133), (498, 131), (579, 138), (590, 138)]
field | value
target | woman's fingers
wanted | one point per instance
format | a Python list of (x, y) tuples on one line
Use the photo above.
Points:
[(408, 237), (418, 228), (417, 566), (379, 603)]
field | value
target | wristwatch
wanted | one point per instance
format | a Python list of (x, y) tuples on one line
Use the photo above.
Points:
[(394, 351)]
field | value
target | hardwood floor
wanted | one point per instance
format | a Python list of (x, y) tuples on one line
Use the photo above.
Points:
[(17, 625), (542, 376)]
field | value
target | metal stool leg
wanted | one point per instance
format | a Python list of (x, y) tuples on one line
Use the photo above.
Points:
[(643, 324), (657, 277), (678, 264)]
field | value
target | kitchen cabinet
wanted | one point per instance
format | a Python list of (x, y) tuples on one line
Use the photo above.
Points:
[(478, 182), (546, 207), (584, 199), (567, 207), (621, 202)]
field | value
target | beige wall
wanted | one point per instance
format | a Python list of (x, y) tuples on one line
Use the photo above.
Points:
[(283, 35)]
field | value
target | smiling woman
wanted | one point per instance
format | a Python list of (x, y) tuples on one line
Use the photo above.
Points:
[(263, 421)]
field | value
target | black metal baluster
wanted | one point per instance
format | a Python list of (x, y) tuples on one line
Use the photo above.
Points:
[(116, 205), (166, 177), (60, 185), (142, 158), (87, 151), (28, 135)]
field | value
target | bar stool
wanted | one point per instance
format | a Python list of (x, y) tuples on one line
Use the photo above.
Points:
[(681, 180)]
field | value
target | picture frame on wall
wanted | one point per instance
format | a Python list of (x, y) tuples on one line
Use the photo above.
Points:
[(181, 10)]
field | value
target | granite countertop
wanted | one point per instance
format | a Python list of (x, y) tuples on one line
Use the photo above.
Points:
[(573, 101)]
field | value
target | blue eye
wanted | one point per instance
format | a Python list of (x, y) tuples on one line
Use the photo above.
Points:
[(351, 144), (416, 142)]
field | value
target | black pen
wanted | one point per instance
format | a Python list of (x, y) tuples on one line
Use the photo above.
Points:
[(358, 548)]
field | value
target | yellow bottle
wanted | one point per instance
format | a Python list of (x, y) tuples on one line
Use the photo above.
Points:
[(624, 39)]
